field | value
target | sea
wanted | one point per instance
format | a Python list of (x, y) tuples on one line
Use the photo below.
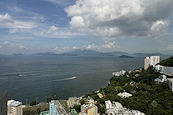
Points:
[(36, 77)]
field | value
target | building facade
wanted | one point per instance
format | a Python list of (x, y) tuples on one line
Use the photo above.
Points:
[(3, 103), (170, 82), (14, 108), (151, 61), (89, 109), (146, 63), (154, 60), (116, 108)]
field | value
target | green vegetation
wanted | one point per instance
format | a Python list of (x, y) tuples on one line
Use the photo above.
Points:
[(65, 105), (35, 110), (32, 103), (77, 108), (167, 62), (148, 97)]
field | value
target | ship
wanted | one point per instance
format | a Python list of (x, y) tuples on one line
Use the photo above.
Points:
[(73, 77)]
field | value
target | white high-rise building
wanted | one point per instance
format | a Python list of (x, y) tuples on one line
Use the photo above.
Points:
[(14, 108), (154, 60), (151, 61), (146, 63)]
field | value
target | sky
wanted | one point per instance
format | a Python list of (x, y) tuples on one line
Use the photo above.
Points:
[(133, 26)]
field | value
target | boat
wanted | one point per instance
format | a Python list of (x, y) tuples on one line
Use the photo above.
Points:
[(73, 77), (20, 75)]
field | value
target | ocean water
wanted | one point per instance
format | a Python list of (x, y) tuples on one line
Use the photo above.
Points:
[(29, 77)]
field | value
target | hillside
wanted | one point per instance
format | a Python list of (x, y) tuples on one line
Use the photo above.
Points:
[(167, 62), (147, 96)]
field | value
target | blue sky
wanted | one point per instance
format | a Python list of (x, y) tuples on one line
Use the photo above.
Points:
[(31, 26)]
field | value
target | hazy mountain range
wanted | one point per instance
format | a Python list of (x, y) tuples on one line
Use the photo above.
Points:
[(94, 53), (86, 52)]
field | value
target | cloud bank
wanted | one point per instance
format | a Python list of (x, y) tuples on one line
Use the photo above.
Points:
[(110, 18)]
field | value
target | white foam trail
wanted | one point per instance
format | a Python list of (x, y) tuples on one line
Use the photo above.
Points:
[(65, 79)]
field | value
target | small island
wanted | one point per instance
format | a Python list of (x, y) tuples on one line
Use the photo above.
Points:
[(125, 56)]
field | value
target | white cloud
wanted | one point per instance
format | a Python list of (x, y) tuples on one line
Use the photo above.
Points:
[(59, 32), (52, 30), (4, 44), (109, 18), (75, 48), (108, 46), (62, 49), (5, 17), (60, 2), (6, 21), (23, 47), (159, 27)]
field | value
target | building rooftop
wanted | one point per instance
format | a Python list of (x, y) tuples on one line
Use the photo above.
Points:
[(16, 103), (124, 95), (170, 79)]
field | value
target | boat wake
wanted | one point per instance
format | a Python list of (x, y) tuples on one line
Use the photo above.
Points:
[(70, 78), (58, 80)]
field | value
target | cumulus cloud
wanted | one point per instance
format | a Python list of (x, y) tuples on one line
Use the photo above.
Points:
[(110, 46), (52, 30), (109, 18)]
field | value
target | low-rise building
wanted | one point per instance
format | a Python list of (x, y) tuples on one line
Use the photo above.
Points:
[(124, 95), (89, 109), (14, 108), (164, 70), (170, 82), (117, 74), (161, 79), (72, 101), (100, 95), (116, 108)]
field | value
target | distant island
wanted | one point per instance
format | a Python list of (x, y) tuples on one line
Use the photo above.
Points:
[(126, 56)]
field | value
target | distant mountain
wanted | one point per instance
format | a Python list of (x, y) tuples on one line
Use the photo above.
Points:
[(92, 52), (45, 53), (149, 54), (126, 56), (18, 54), (84, 52), (115, 53)]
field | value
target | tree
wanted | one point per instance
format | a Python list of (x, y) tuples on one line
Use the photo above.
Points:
[(33, 103)]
